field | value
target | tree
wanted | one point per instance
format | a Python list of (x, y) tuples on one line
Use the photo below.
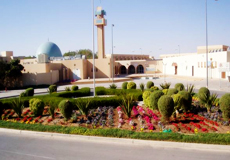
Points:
[(10, 72), (70, 53)]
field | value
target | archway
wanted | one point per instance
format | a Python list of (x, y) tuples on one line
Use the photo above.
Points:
[(131, 69), (123, 70), (140, 69)]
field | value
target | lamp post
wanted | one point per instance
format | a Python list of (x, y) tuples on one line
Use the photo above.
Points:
[(206, 20), (112, 53), (94, 93)]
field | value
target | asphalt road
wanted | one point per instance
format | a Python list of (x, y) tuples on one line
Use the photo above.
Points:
[(30, 147)]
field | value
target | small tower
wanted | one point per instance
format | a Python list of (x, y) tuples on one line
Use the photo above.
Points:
[(100, 22)]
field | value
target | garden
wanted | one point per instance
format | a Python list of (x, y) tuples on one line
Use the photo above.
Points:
[(151, 112)]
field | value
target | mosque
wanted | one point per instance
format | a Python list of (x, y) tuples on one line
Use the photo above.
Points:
[(50, 66)]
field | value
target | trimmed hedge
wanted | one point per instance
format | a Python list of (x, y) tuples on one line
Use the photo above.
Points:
[(172, 91), (149, 84), (225, 106), (153, 99), (179, 87), (74, 88), (206, 138), (124, 85), (100, 90), (66, 108), (131, 85), (69, 94)]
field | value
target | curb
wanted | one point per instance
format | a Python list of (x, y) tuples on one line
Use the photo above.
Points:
[(123, 141)]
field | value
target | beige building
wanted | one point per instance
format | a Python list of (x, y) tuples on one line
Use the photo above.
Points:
[(50, 67)]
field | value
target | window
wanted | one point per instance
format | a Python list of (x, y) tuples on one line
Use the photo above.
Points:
[(204, 64), (201, 64), (198, 64)]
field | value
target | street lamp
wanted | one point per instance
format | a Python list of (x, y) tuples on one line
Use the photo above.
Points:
[(94, 93), (206, 19), (112, 52)]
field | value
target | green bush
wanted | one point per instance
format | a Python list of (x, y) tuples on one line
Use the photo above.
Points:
[(179, 87), (166, 107), (225, 106), (66, 108), (113, 86), (29, 92), (146, 96), (67, 89), (1, 108), (83, 106), (18, 106), (69, 94), (100, 90), (165, 91), (177, 99), (124, 85), (52, 109), (52, 88), (142, 87), (131, 85), (154, 88), (153, 99), (127, 104), (172, 91), (165, 85), (149, 84), (186, 101), (37, 106), (203, 94), (74, 88)]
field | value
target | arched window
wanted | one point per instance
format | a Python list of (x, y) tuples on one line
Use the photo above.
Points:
[(140, 69), (123, 70), (131, 69)]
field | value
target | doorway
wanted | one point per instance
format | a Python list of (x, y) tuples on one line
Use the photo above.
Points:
[(192, 70), (223, 75), (175, 70)]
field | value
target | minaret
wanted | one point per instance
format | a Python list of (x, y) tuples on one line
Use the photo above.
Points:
[(100, 22)]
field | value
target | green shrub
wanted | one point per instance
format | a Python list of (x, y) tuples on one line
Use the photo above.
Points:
[(131, 85), (52, 88), (70, 94), (146, 96), (1, 108), (100, 90), (172, 91), (83, 106), (165, 85), (124, 85), (29, 92), (186, 101), (67, 89), (154, 88), (149, 84), (153, 99), (127, 104), (37, 106), (225, 106), (178, 100), (23, 94), (166, 107), (165, 91), (142, 87), (74, 88), (190, 89), (52, 109), (17, 106), (66, 108), (179, 87), (203, 94), (113, 86)]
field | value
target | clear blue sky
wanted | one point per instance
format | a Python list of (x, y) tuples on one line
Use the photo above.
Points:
[(156, 26)]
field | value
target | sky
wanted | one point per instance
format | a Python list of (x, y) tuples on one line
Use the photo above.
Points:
[(151, 27)]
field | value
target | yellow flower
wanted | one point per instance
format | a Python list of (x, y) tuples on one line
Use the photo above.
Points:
[(196, 130), (228, 132), (142, 129)]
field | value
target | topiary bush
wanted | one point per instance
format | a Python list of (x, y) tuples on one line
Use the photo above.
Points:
[(225, 106), (177, 99), (142, 87), (100, 90), (145, 96), (29, 92), (154, 88), (131, 85), (149, 84), (186, 100), (37, 106), (74, 88), (124, 85), (66, 108), (179, 87), (203, 95), (165, 91), (172, 91), (52, 88), (166, 107), (153, 99)]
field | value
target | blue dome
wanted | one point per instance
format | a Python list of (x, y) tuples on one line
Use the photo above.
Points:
[(49, 48)]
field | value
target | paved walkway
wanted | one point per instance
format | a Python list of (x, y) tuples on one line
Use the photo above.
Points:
[(215, 85)]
